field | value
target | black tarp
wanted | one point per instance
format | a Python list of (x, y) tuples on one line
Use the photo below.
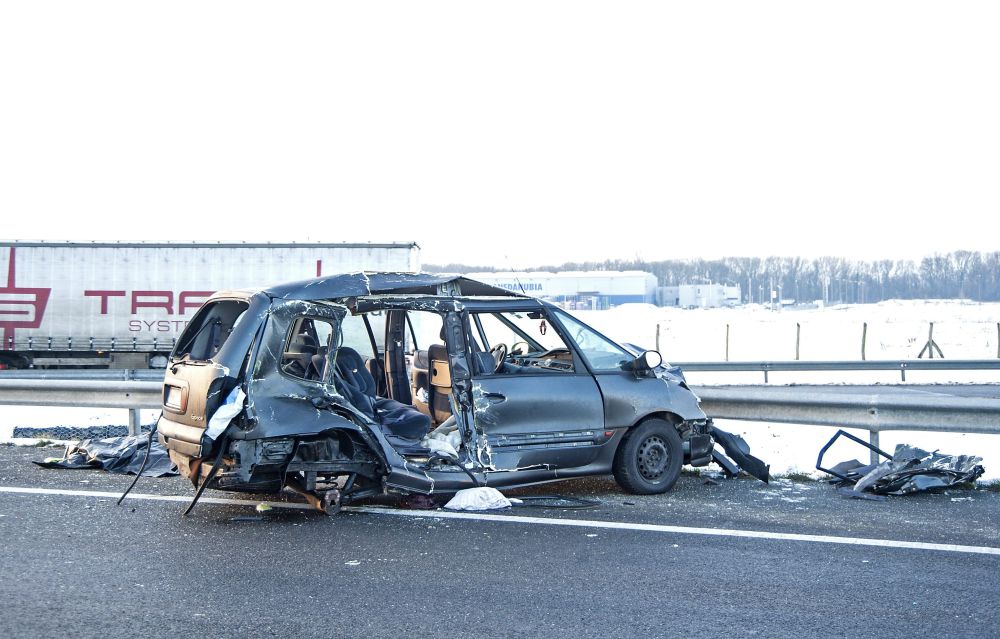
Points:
[(120, 455)]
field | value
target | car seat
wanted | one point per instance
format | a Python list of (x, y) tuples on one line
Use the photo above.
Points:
[(356, 383)]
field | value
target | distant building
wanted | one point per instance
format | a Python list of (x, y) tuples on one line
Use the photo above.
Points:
[(582, 290), (698, 295)]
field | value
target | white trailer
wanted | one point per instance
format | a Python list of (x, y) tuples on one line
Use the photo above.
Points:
[(122, 305)]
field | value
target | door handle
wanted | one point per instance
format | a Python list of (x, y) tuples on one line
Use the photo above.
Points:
[(496, 398)]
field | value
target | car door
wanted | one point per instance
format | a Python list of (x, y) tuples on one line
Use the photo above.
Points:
[(627, 397), (547, 412), (292, 367)]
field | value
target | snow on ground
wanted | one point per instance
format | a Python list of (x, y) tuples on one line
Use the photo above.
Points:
[(896, 330)]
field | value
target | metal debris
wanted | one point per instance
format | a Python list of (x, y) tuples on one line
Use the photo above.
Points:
[(908, 470)]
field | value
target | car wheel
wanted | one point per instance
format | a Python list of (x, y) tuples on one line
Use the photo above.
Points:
[(648, 461)]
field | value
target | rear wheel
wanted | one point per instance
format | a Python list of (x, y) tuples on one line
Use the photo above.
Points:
[(648, 461)]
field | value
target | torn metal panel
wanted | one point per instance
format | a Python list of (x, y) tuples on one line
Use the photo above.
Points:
[(908, 470), (361, 284)]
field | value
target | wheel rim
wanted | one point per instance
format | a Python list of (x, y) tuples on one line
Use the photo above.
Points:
[(652, 458)]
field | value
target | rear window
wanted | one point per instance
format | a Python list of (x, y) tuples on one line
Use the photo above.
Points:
[(209, 329), (308, 347)]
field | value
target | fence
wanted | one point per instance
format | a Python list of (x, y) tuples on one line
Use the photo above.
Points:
[(899, 330)]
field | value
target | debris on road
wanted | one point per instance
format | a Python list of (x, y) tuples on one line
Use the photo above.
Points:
[(119, 455), (908, 470), (418, 502), (481, 498), (737, 456)]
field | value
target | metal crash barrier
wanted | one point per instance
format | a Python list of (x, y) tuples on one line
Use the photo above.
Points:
[(83, 393), (956, 408), (946, 408)]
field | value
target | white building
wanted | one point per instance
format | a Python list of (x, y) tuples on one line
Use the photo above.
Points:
[(699, 295), (578, 289)]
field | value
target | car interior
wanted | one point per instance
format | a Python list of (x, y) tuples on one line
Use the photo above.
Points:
[(502, 343)]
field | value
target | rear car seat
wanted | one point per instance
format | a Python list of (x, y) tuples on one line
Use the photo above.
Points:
[(356, 383)]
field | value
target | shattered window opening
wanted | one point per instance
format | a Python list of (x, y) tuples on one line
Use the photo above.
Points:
[(519, 343), (358, 330), (209, 329), (309, 349)]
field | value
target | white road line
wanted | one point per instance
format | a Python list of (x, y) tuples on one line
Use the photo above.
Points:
[(515, 519)]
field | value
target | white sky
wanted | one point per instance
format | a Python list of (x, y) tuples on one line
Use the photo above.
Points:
[(509, 133)]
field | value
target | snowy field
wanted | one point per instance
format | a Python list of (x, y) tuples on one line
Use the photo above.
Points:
[(895, 330)]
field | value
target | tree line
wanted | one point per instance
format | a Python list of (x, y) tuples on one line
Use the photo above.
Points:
[(958, 275)]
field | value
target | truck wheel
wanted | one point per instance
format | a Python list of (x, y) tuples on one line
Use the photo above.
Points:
[(648, 461)]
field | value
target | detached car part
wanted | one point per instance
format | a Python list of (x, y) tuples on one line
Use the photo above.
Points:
[(908, 470)]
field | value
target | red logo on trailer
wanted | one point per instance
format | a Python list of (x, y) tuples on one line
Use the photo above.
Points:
[(20, 307)]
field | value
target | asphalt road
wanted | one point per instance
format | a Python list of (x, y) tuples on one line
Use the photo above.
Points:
[(78, 565)]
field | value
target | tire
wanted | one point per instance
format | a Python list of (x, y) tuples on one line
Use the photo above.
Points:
[(648, 461)]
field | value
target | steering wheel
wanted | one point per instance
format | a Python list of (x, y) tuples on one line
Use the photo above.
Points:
[(499, 352), (516, 349)]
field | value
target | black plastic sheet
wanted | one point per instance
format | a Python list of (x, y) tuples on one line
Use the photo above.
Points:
[(120, 455)]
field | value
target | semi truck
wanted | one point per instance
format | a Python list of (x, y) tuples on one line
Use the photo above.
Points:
[(123, 305)]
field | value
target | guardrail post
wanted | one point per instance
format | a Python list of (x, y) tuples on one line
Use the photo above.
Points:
[(798, 336), (727, 341), (864, 339), (873, 440), (133, 421)]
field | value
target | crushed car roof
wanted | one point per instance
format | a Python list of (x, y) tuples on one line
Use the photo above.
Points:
[(375, 283)]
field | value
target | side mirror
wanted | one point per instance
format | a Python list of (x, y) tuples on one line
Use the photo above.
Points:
[(645, 362)]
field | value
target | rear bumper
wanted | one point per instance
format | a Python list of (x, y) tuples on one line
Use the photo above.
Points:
[(180, 438)]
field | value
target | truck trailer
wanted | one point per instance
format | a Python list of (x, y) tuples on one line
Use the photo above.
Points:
[(123, 305)]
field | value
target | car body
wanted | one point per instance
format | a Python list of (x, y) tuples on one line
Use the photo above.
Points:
[(358, 384)]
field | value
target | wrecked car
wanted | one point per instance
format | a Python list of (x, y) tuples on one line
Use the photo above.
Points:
[(354, 385)]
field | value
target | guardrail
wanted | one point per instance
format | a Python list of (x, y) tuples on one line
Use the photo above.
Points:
[(953, 409), (122, 374), (765, 367), (84, 393), (962, 409), (832, 365)]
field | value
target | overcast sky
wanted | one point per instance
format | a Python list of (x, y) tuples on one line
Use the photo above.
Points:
[(508, 133)]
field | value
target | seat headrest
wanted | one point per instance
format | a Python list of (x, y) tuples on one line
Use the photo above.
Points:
[(304, 340), (350, 358)]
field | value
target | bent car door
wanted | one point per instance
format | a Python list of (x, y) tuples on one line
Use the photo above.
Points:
[(292, 366), (535, 403)]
